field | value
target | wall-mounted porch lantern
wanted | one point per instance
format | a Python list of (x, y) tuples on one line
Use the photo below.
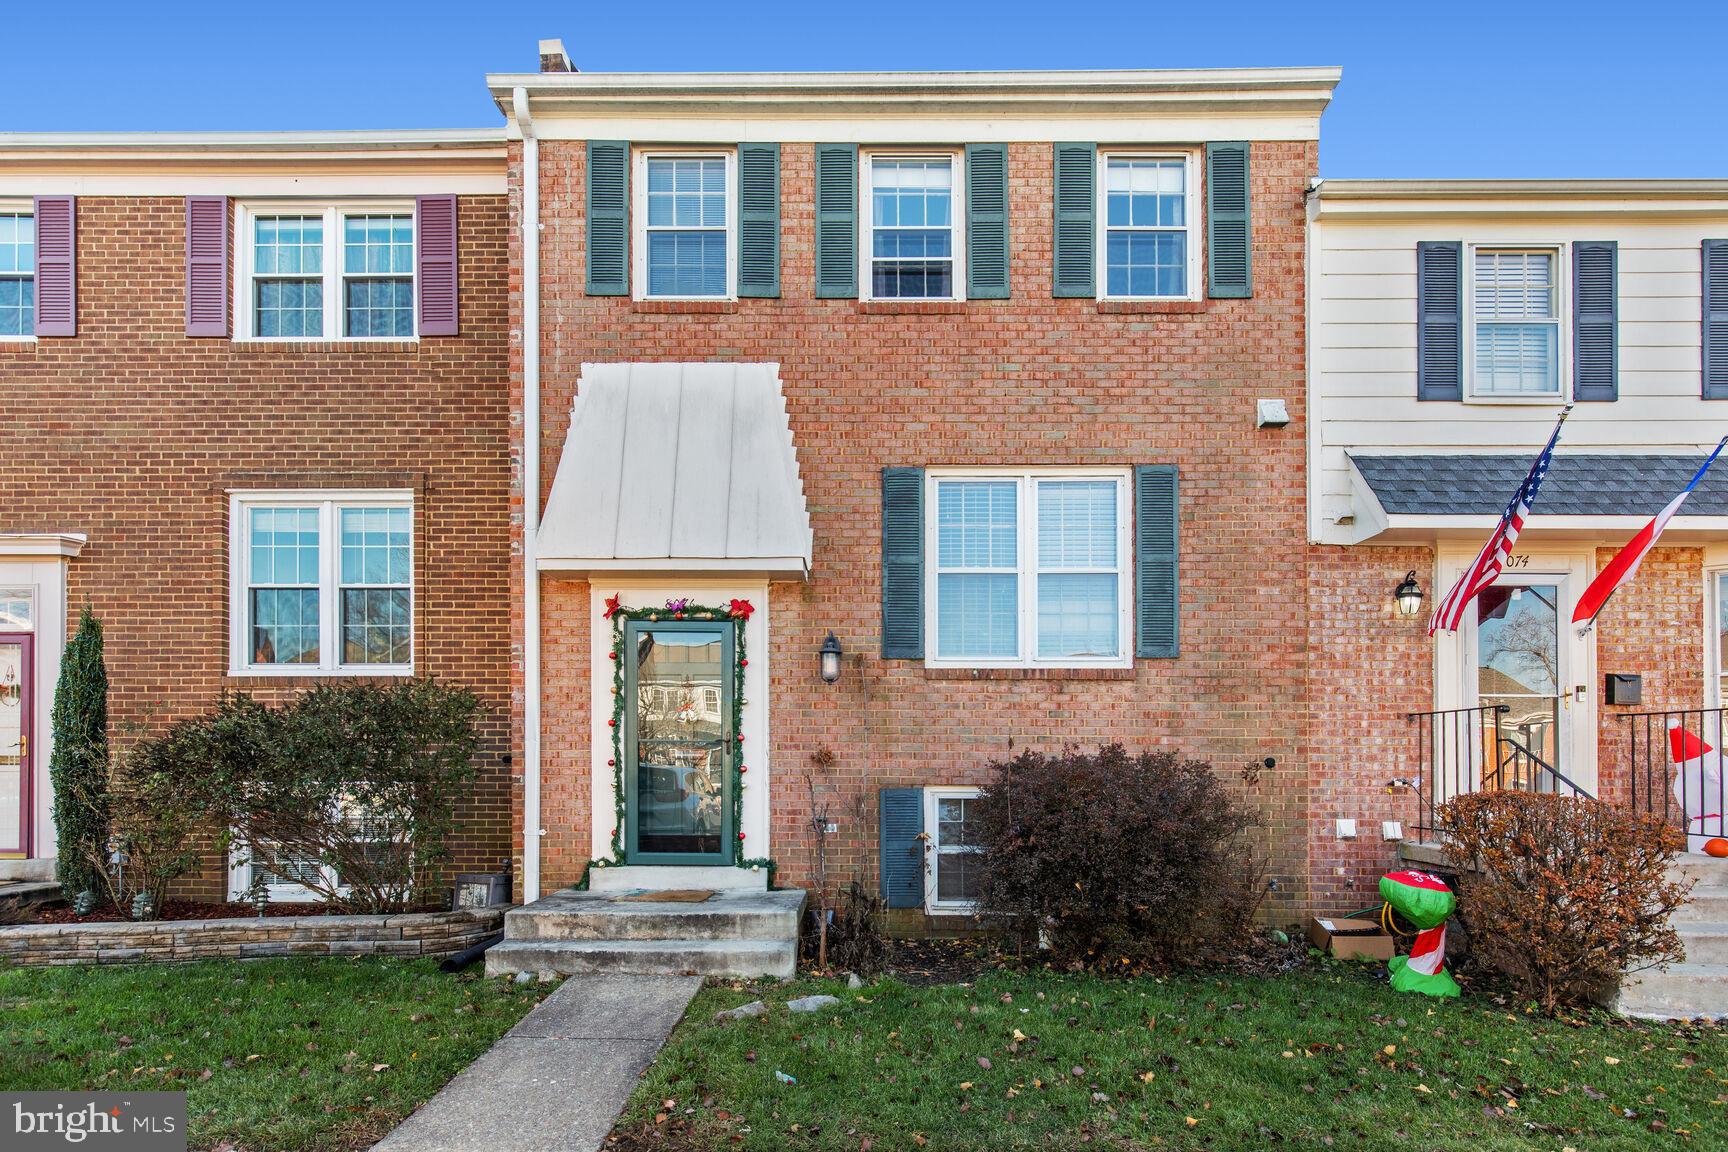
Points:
[(830, 661), (1408, 596)]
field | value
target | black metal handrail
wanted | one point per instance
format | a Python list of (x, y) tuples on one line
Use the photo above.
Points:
[(1451, 756), (1526, 765), (1668, 789)]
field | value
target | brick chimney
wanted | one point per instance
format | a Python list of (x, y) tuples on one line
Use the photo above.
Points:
[(553, 58)]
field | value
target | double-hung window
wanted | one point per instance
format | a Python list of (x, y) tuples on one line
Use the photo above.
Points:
[(914, 240), (331, 272), (17, 273), (1145, 236), (1515, 322), (322, 582), (686, 237), (953, 856), (1028, 568)]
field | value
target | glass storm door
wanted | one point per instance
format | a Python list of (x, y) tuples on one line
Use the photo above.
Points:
[(1520, 664), (678, 742), (15, 744)]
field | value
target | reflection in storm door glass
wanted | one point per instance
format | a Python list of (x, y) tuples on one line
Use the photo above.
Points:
[(681, 726), (12, 673), (1518, 665)]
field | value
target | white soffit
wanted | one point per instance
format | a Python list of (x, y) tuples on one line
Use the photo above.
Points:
[(679, 468)]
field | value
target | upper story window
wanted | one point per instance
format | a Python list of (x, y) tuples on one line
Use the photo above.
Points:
[(321, 582), (1147, 247), (685, 247), (17, 273), (1515, 322), (913, 242), (332, 272), (1029, 569)]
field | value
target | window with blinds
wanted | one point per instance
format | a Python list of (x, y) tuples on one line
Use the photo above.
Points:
[(1515, 315)]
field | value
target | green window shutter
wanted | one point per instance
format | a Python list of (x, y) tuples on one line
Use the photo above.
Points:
[(837, 221), (1439, 320), (1715, 292), (901, 837), (608, 218), (1229, 234), (1076, 178), (903, 563), (1156, 534), (1595, 320), (987, 221), (759, 220)]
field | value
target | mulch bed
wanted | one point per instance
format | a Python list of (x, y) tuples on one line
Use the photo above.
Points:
[(188, 910)]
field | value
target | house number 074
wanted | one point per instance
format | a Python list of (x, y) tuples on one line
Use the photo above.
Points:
[(1517, 561)]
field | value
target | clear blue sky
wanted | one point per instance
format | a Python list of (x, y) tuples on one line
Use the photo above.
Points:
[(1507, 89)]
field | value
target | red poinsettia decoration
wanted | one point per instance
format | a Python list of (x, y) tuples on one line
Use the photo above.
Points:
[(613, 607), (742, 609)]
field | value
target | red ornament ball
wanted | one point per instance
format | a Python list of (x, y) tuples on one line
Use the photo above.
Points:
[(743, 663), (611, 763), (612, 655), (612, 723), (740, 835), (742, 769)]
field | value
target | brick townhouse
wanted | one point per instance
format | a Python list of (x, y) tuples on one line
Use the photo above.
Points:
[(256, 415)]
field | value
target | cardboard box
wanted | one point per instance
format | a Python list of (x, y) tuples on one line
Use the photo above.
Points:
[(1349, 939)]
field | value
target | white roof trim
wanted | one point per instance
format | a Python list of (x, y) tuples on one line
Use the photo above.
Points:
[(678, 467), (39, 544)]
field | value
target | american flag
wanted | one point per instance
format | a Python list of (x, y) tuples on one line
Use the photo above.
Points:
[(1486, 568)]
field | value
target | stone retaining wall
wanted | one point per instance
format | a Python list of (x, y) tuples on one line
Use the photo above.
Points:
[(124, 942)]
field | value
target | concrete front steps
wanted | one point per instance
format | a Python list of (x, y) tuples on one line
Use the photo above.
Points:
[(743, 929), (1698, 987)]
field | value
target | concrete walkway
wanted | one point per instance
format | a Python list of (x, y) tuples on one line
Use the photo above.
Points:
[(557, 1081)]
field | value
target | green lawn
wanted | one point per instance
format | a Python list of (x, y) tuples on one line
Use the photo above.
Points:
[(1326, 1058), (274, 1055)]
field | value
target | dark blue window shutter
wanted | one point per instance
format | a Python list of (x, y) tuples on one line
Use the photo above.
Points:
[(1440, 320), (1595, 320), (903, 563), (837, 221), (987, 221), (1229, 235), (608, 218), (902, 839), (1157, 600), (1715, 256), (1075, 244), (759, 220)]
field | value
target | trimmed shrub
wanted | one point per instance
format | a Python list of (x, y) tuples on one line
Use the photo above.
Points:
[(78, 766), (1562, 894), (1112, 857), (155, 836)]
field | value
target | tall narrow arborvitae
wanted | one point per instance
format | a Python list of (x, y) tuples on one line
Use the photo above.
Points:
[(79, 764)]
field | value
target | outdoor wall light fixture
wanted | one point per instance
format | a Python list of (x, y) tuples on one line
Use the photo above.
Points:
[(1408, 596), (830, 662)]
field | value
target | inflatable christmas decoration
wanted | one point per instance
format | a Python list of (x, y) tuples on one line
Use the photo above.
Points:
[(1425, 901), (1698, 788)]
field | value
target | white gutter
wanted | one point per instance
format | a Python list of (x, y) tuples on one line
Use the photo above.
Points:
[(531, 829)]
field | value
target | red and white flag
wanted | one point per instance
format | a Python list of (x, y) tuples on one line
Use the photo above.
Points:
[(1489, 562), (1624, 566)]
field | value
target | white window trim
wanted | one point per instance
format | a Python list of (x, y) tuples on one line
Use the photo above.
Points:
[(332, 212), (1561, 251), (240, 883), (1101, 217), (1713, 637), (867, 221), (639, 217), (329, 579), (10, 206), (1028, 567), (933, 851)]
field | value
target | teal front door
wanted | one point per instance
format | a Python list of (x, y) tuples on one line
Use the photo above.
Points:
[(678, 742)]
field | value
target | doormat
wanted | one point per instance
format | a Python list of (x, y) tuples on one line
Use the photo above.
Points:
[(672, 896)]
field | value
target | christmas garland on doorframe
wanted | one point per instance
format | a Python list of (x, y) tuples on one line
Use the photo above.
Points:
[(683, 608)]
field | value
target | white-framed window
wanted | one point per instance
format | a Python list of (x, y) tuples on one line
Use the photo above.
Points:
[(913, 231), (1148, 247), (17, 608), (17, 273), (325, 271), (1716, 638), (296, 880), (951, 882), (686, 235), (1516, 350), (321, 582), (1028, 567)]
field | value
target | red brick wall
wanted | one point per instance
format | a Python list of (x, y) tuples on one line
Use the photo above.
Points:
[(130, 432), (1026, 381)]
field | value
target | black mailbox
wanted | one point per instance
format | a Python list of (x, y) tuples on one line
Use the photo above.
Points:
[(1625, 688)]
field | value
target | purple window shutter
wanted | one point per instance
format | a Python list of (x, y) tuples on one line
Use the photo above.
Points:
[(435, 233), (56, 266), (206, 265)]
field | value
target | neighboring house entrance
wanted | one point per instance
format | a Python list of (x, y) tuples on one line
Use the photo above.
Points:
[(17, 671), (678, 742)]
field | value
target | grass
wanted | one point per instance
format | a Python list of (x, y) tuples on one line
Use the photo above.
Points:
[(1327, 1058), (274, 1055)]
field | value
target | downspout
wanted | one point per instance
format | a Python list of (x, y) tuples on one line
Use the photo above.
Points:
[(532, 832)]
